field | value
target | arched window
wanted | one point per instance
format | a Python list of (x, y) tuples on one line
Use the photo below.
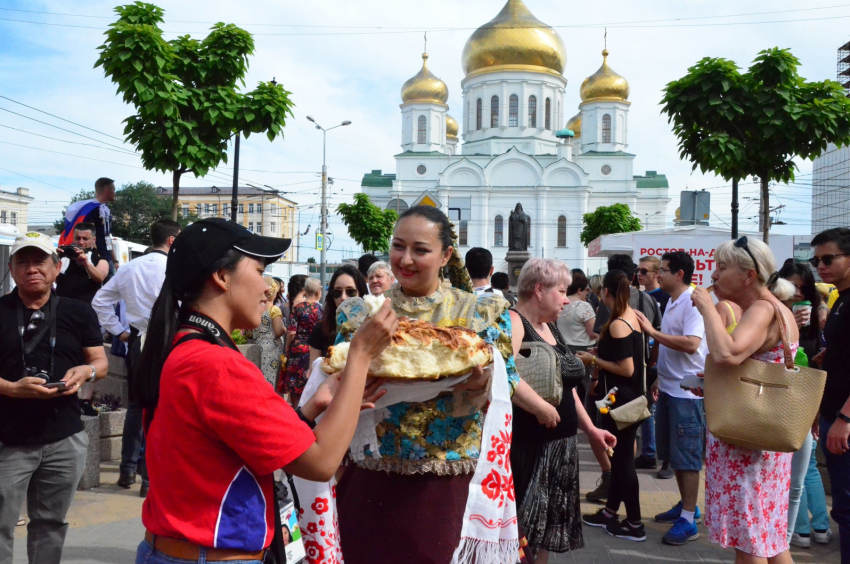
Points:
[(421, 133), (606, 128), (532, 111), (513, 110), (494, 111), (498, 232), (548, 113), (562, 231), (478, 115)]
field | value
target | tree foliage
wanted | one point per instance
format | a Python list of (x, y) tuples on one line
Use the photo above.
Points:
[(755, 123), (136, 207), (369, 226), (608, 219), (185, 92)]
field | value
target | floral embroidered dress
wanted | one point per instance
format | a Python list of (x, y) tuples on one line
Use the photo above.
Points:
[(746, 491), (269, 345), (305, 316), (443, 435)]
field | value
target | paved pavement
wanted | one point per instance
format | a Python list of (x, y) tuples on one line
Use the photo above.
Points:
[(105, 527)]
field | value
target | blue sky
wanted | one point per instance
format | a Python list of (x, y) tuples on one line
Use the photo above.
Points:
[(353, 68)]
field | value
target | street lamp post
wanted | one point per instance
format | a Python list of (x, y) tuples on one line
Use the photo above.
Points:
[(648, 215), (324, 226)]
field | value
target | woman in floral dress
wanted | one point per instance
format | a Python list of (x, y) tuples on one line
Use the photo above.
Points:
[(746, 491), (304, 318), (408, 505)]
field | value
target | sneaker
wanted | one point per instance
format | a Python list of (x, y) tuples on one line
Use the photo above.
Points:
[(822, 537), (598, 519), (672, 515), (601, 491), (801, 541), (681, 532), (624, 530), (645, 463), (666, 472)]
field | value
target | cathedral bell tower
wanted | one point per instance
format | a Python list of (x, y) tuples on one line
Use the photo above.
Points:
[(423, 112)]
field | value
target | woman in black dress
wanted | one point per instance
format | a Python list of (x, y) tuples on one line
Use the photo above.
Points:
[(619, 363), (544, 456)]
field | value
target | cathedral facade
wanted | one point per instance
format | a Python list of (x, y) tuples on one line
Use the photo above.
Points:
[(516, 147)]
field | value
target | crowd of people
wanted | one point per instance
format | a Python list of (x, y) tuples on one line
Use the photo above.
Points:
[(207, 430)]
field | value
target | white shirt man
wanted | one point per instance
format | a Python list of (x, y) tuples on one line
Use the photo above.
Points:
[(138, 284), (679, 414)]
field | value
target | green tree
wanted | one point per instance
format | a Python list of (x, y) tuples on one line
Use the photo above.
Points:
[(369, 226), (184, 92), (755, 123), (608, 219), (136, 207)]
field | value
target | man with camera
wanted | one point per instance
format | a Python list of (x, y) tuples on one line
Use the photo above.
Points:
[(83, 269), (49, 347)]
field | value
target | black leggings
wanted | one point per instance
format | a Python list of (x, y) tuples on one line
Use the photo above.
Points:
[(625, 487)]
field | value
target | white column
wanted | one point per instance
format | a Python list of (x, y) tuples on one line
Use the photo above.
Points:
[(541, 226)]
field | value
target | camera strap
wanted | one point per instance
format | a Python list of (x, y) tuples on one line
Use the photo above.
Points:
[(207, 326), (28, 346)]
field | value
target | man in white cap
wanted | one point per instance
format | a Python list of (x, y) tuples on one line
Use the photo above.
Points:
[(49, 347)]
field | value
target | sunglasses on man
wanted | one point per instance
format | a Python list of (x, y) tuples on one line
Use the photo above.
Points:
[(645, 271), (349, 292), (827, 259)]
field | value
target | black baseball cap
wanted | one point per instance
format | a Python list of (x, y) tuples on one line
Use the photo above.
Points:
[(198, 247)]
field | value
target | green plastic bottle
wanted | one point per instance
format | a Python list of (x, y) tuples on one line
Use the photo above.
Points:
[(801, 359)]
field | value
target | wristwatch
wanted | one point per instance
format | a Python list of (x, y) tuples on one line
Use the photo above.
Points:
[(843, 417), (93, 373)]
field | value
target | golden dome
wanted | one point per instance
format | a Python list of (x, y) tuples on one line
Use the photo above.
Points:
[(575, 125), (514, 37), (604, 84), (425, 87), (451, 127)]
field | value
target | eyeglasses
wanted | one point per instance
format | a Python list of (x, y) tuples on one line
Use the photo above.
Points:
[(35, 321), (663, 270), (349, 292), (742, 244), (827, 259), (645, 271)]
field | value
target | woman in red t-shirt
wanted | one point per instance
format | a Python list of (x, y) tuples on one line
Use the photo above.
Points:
[(216, 431)]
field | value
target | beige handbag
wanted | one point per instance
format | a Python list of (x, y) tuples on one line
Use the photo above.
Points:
[(538, 365), (633, 412), (762, 405)]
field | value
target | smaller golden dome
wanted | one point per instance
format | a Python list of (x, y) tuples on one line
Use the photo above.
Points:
[(425, 87), (604, 84), (575, 125), (451, 127)]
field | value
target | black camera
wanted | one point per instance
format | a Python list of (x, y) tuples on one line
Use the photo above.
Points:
[(71, 249), (34, 372)]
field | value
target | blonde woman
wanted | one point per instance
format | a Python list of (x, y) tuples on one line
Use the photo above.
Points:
[(746, 491)]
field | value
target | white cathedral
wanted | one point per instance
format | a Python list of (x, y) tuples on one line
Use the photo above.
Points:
[(516, 147)]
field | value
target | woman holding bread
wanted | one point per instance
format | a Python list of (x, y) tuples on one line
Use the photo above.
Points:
[(216, 431), (544, 454), (408, 505)]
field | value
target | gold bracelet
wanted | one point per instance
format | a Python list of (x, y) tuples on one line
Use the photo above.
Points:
[(593, 361)]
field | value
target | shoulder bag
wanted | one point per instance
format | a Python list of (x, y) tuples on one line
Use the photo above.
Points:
[(636, 410), (763, 405), (539, 366)]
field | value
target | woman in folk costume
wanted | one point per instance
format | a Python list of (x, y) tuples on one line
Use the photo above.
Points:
[(424, 497)]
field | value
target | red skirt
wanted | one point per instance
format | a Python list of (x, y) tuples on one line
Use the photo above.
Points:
[(392, 518)]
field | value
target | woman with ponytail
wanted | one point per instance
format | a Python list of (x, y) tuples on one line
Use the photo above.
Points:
[(216, 431), (619, 363)]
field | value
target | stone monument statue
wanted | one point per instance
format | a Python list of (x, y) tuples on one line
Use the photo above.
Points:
[(519, 232), (519, 239)]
